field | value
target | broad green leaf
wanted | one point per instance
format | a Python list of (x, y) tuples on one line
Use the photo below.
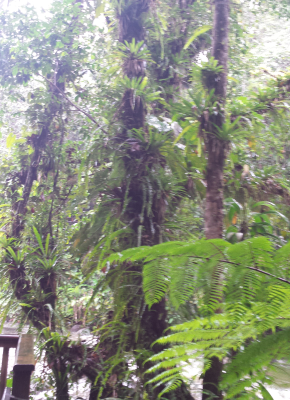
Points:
[(233, 79), (183, 132), (24, 305), (199, 147), (9, 383), (143, 83), (100, 9), (266, 395), (11, 139), (197, 32), (38, 238), (265, 203)]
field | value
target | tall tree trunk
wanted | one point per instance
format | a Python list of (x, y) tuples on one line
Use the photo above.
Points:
[(215, 147), (132, 113), (153, 322), (216, 151)]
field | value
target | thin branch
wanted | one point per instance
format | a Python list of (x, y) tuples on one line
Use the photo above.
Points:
[(67, 195), (272, 276), (74, 105), (50, 220), (259, 270), (267, 72), (252, 268)]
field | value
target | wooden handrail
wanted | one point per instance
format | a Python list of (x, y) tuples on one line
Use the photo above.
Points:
[(10, 341), (23, 367)]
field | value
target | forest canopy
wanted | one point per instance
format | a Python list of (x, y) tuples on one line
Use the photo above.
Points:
[(145, 194)]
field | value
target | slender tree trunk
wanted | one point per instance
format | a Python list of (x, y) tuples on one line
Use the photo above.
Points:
[(216, 151), (215, 147)]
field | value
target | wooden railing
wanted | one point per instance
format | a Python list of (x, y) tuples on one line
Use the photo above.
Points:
[(23, 366), (7, 342)]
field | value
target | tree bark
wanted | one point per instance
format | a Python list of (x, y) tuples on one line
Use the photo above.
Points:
[(132, 112), (216, 152), (211, 380), (216, 147)]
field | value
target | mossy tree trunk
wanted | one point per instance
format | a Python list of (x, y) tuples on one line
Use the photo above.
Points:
[(39, 312), (132, 113), (216, 154)]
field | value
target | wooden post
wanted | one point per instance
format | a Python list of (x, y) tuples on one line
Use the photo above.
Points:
[(7, 342), (4, 370), (24, 366)]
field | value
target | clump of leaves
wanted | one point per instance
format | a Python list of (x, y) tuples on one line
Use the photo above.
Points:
[(210, 72)]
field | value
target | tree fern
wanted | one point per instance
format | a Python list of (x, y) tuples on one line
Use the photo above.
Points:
[(173, 384), (254, 360), (254, 301), (155, 281), (254, 252), (183, 279)]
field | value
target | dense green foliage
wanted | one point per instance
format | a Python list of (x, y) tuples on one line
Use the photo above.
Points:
[(255, 303), (106, 113)]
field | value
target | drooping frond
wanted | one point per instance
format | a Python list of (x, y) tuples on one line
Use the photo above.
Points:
[(253, 252), (155, 281), (254, 360), (183, 279), (251, 293)]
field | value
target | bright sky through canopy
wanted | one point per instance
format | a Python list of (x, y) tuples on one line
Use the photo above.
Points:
[(16, 4)]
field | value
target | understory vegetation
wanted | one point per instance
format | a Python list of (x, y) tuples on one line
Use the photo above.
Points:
[(145, 193)]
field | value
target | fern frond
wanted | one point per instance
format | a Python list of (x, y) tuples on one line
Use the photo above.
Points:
[(173, 384), (155, 281), (257, 355), (165, 374), (183, 280), (170, 363), (252, 252), (214, 295)]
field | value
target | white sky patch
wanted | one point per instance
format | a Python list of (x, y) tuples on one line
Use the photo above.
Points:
[(202, 57), (42, 8), (14, 5)]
